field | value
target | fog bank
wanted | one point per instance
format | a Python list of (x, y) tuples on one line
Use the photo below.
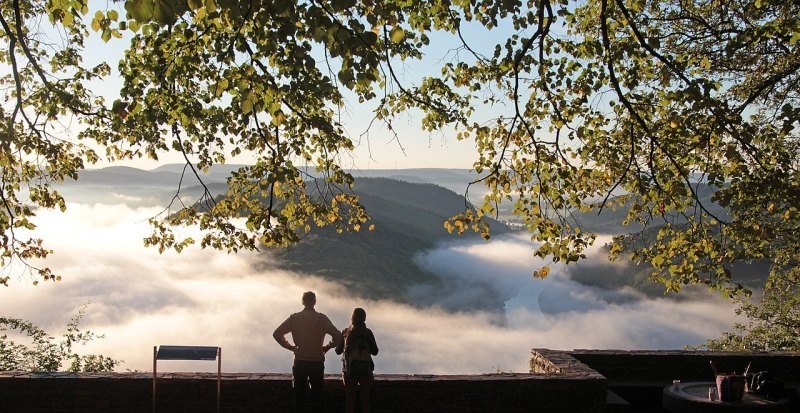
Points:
[(140, 298)]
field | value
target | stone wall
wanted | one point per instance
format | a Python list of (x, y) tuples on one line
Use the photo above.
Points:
[(546, 361), (639, 376), (244, 393), (622, 365), (560, 381)]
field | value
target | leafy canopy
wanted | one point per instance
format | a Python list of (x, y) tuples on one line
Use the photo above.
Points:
[(684, 114)]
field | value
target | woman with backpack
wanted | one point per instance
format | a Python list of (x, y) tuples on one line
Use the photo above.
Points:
[(357, 348)]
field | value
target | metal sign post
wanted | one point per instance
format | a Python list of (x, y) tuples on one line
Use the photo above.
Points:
[(188, 353)]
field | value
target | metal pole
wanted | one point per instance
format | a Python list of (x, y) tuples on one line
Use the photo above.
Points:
[(155, 354), (219, 374)]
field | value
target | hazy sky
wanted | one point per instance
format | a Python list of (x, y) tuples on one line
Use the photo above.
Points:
[(378, 149), (140, 298)]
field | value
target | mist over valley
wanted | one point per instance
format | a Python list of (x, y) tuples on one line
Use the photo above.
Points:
[(438, 303)]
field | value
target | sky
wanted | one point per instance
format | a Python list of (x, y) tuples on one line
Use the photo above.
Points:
[(140, 298), (377, 149)]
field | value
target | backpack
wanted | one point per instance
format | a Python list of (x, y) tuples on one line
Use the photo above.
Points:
[(357, 360)]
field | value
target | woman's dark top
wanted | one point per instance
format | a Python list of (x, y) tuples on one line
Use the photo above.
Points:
[(360, 328)]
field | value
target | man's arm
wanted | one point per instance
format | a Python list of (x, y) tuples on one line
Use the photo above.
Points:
[(336, 336), (280, 334)]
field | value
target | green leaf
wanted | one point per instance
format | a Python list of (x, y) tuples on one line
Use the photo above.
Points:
[(165, 12), (247, 103), (345, 76), (278, 118), (370, 38), (68, 19), (140, 10), (397, 35), (221, 87)]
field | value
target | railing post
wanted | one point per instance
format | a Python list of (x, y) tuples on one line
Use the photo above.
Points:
[(219, 375), (155, 353)]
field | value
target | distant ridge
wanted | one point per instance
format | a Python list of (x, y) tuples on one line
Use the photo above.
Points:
[(167, 176)]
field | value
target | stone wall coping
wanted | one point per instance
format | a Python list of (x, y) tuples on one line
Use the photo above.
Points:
[(286, 376), (703, 353), (690, 365), (560, 363)]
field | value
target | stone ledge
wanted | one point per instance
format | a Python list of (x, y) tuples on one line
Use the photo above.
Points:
[(685, 365), (704, 353), (268, 376), (188, 392), (562, 364)]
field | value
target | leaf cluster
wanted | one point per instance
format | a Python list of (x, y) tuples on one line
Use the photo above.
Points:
[(45, 353)]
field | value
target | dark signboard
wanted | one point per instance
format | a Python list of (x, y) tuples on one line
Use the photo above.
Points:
[(186, 353)]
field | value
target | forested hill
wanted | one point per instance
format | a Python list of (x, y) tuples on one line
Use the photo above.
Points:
[(408, 219)]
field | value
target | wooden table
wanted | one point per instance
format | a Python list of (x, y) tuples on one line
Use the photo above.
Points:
[(692, 397)]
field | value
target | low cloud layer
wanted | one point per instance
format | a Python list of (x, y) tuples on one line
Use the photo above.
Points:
[(140, 298)]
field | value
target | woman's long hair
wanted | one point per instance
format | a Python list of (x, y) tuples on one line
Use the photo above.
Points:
[(358, 321)]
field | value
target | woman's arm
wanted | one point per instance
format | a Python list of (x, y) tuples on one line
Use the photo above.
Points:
[(340, 346), (373, 346)]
